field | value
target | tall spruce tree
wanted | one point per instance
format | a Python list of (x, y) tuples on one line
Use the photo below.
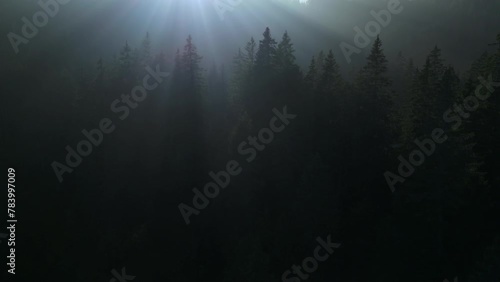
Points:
[(145, 51), (266, 52), (185, 142)]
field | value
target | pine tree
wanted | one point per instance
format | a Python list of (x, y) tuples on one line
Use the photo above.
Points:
[(261, 84), (330, 79), (375, 95), (185, 121), (407, 91), (425, 112), (285, 57), (310, 79), (238, 81), (320, 59), (435, 67), (250, 49), (374, 74), (374, 106), (326, 98), (126, 57), (145, 51), (266, 51), (288, 75), (191, 64)]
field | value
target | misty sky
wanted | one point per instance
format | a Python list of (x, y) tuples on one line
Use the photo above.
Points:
[(93, 29)]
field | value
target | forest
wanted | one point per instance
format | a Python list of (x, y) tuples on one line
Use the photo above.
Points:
[(173, 164)]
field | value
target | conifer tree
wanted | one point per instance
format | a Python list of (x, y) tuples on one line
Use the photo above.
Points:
[(425, 112), (266, 52), (191, 64), (285, 57), (145, 51), (320, 59), (185, 120), (126, 57), (250, 50), (310, 78), (330, 79), (374, 107)]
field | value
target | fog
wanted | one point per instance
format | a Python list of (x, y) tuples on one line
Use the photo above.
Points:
[(250, 140)]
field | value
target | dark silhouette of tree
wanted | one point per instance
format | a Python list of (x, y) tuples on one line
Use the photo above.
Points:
[(266, 52), (145, 51)]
